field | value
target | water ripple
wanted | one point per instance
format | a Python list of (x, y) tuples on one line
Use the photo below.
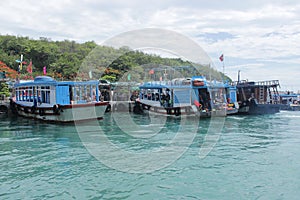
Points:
[(256, 157)]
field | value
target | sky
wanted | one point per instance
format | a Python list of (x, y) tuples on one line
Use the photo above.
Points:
[(258, 37)]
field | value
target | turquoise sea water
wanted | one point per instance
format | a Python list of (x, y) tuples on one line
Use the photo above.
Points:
[(252, 157)]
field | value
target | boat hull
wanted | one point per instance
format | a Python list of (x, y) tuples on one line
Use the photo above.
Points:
[(290, 107), (253, 108), (177, 111), (233, 111), (64, 114)]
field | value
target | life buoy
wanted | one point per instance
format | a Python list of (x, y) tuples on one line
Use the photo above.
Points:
[(56, 109), (177, 111)]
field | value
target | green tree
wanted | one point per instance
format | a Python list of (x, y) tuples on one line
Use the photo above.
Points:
[(4, 90)]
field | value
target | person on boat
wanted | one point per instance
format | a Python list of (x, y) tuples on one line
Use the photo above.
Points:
[(162, 99), (228, 100), (35, 102), (156, 97), (149, 96), (208, 101), (201, 103), (105, 95), (167, 98), (134, 96)]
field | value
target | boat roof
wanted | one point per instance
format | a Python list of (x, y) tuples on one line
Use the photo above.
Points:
[(245, 83), (48, 81), (182, 83), (289, 95)]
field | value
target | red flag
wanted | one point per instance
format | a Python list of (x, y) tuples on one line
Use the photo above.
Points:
[(29, 68), (151, 71), (44, 70), (221, 58)]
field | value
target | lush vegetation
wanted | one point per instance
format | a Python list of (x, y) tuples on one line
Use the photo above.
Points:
[(68, 60)]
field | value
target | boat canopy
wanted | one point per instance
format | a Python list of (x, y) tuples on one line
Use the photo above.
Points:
[(46, 80)]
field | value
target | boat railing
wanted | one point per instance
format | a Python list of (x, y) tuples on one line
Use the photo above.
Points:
[(270, 83), (174, 82)]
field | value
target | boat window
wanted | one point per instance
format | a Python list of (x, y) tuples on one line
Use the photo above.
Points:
[(23, 93), (29, 94), (88, 93), (74, 93), (93, 93), (78, 93), (43, 94), (83, 93)]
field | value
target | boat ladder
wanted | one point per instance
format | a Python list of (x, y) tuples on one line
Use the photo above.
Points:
[(261, 94)]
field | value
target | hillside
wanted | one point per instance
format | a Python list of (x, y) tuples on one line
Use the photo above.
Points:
[(68, 60)]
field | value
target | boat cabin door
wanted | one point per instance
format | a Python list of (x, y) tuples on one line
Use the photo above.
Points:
[(204, 98), (62, 95)]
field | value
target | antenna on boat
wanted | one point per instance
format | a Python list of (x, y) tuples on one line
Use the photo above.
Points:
[(239, 75), (223, 68), (209, 65)]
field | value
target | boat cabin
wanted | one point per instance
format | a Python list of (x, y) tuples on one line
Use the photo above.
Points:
[(47, 91), (182, 92)]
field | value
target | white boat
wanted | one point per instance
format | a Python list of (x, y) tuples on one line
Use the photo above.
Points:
[(58, 101)]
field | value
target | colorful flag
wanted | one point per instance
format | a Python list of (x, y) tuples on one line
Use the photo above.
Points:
[(21, 62), (221, 58), (29, 68), (44, 70)]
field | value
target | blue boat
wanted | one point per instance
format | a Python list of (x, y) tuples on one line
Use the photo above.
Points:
[(289, 101), (183, 96), (58, 101)]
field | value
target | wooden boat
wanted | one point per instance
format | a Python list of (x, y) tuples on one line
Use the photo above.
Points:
[(185, 96), (50, 100), (257, 97)]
